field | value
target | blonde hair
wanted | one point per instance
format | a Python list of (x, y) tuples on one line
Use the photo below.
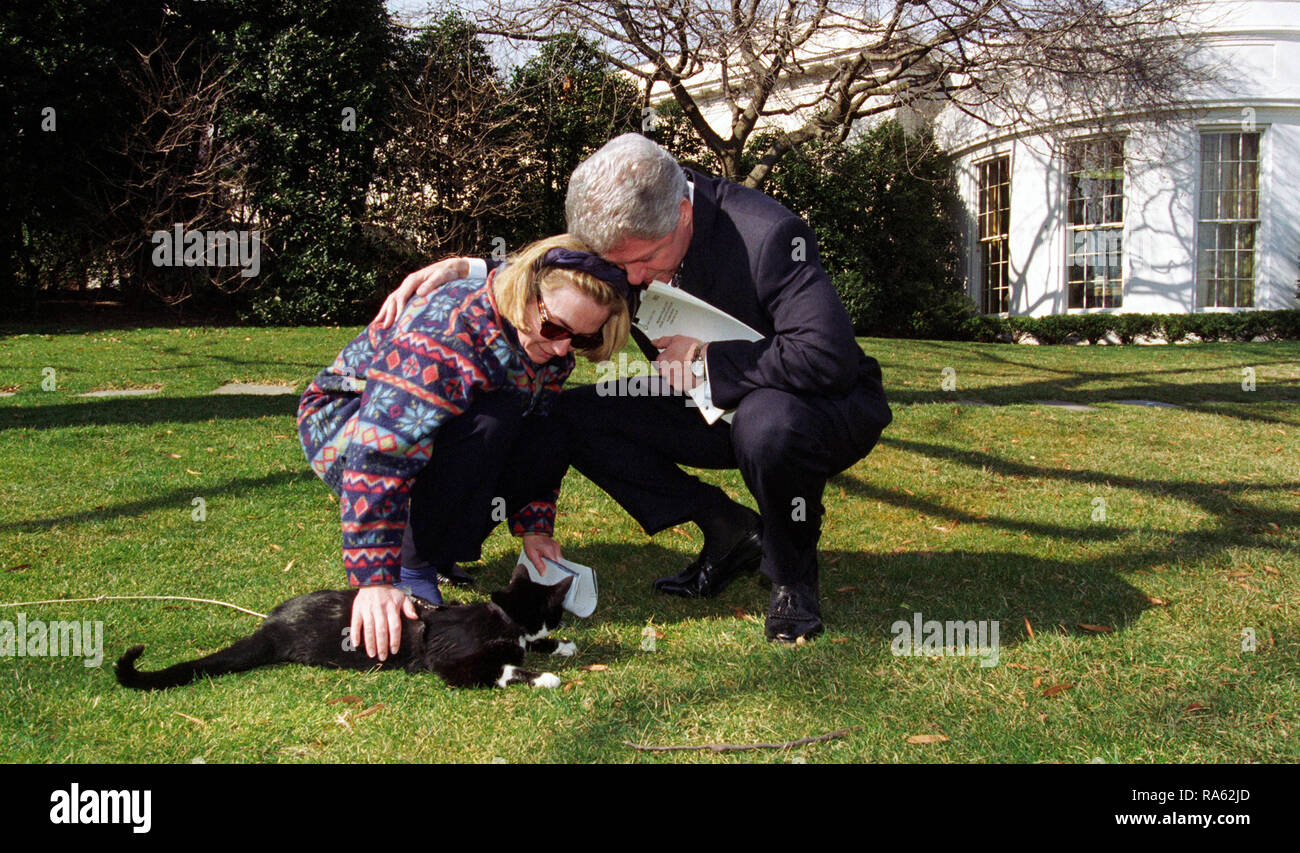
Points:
[(523, 277)]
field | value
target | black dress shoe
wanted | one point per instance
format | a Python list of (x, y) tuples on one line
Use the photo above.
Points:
[(706, 578), (793, 614), (453, 576)]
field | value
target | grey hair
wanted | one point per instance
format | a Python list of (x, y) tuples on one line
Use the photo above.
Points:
[(630, 188)]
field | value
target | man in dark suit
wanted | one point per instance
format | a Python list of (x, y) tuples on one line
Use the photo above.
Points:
[(807, 402)]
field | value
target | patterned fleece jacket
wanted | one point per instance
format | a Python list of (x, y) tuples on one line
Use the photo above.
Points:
[(369, 420)]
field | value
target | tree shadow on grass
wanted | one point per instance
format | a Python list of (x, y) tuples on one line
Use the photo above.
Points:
[(1222, 500), (167, 501), (1221, 398), (862, 594), (1050, 382), (148, 410)]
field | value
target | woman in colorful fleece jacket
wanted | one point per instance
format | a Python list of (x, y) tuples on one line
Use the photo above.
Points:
[(433, 430)]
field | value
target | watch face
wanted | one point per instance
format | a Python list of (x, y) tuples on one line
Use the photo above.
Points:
[(697, 368)]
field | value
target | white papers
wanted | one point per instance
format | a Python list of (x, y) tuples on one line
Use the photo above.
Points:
[(666, 310), (583, 592)]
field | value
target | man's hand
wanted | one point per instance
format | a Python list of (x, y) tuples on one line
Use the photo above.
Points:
[(377, 619), (674, 362), (420, 283), (539, 546)]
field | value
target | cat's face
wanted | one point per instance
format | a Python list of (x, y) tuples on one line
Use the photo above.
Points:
[(538, 609)]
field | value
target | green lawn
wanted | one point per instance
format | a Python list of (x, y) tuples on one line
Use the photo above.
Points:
[(962, 513)]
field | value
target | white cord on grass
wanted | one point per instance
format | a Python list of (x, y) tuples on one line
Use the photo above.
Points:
[(129, 597)]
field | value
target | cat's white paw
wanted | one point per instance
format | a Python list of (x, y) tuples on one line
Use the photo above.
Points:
[(547, 679), (566, 648), (507, 675)]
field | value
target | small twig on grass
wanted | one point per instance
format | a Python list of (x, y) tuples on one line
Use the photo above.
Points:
[(132, 597), (742, 747)]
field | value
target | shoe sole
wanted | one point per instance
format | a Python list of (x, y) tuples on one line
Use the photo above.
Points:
[(810, 634)]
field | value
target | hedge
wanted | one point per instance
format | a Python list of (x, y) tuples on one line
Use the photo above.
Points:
[(1095, 328)]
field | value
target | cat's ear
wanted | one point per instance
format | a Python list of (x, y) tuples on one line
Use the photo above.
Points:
[(560, 590), (520, 575)]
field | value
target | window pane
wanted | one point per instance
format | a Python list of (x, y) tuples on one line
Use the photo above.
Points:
[(1229, 217), (994, 213), (1095, 219)]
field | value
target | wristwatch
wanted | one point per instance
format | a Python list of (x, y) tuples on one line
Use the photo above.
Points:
[(697, 364)]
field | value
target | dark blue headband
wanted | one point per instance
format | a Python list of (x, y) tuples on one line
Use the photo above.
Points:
[(590, 264)]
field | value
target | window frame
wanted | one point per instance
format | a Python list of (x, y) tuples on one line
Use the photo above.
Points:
[(985, 246), (1207, 293), (1110, 299)]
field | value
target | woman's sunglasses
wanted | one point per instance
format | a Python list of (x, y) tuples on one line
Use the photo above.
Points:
[(553, 331)]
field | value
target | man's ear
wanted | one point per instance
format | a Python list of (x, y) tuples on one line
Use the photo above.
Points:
[(687, 213)]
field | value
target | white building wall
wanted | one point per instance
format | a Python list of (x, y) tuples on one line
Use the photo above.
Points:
[(1260, 41)]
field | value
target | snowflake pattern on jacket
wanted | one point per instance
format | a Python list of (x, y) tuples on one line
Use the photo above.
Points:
[(369, 420)]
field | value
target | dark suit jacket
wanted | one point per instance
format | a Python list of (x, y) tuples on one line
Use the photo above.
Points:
[(754, 259)]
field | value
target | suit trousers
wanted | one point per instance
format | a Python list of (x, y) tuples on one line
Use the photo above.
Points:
[(631, 444), (487, 463)]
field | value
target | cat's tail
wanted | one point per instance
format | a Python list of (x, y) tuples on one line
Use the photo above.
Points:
[(249, 653)]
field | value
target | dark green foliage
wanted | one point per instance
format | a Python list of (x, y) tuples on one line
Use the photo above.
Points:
[(569, 102), (73, 210), (66, 112), (303, 72), (881, 209), (671, 129), (449, 175), (1129, 327), (1094, 328)]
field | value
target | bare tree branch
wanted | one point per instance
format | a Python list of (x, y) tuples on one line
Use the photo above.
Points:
[(742, 747), (736, 67)]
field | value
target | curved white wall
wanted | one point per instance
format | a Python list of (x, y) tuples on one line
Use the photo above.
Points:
[(1260, 41)]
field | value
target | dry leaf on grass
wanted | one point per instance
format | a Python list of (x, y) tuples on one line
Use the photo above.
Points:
[(1029, 628), (369, 711), (355, 700), (1055, 689), (927, 739), (1158, 602), (1097, 629), (594, 667)]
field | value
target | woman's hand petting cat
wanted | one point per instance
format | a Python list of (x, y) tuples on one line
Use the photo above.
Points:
[(377, 619), (539, 546)]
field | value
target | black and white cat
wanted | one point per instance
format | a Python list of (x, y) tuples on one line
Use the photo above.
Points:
[(469, 645)]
